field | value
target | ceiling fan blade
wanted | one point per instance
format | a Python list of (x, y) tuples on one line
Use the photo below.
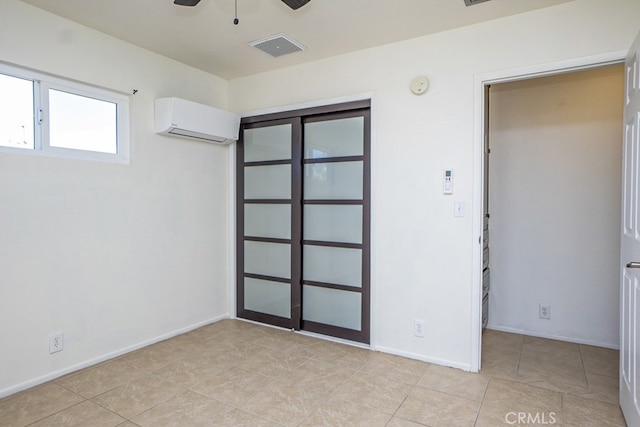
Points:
[(295, 4), (186, 2)]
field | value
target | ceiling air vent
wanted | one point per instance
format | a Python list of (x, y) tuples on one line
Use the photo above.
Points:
[(277, 45), (472, 2)]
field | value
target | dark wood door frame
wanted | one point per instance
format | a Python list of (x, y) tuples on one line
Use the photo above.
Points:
[(297, 119)]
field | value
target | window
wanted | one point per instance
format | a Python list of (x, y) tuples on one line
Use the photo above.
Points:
[(45, 115)]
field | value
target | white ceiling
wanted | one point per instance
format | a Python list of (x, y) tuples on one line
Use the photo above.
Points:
[(205, 37)]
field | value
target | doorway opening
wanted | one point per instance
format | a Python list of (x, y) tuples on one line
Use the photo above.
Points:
[(551, 198)]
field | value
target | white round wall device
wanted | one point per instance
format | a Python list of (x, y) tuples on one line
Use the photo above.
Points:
[(419, 85)]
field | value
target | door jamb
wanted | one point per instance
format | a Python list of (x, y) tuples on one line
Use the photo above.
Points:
[(480, 81)]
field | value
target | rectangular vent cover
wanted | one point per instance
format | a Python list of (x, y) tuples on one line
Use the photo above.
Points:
[(277, 45)]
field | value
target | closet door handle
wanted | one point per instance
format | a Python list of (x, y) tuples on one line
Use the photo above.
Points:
[(633, 265)]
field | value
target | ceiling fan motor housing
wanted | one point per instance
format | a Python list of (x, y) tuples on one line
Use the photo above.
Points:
[(295, 4), (186, 2)]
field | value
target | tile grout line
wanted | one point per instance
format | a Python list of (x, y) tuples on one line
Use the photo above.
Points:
[(190, 389), (484, 395), (520, 354), (55, 413), (334, 368), (584, 368)]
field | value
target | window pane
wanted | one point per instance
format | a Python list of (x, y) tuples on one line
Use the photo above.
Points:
[(16, 112), (267, 221), (267, 182), (334, 138), (331, 223), (333, 180), (268, 259), (265, 296), (267, 143), (82, 123), (339, 266), (332, 307)]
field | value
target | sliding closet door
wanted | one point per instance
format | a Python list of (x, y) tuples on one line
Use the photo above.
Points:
[(303, 220), (268, 265), (335, 266)]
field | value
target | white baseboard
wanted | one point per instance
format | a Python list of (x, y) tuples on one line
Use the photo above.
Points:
[(388, 350), (435, 361), (87, 363), (552, 336)]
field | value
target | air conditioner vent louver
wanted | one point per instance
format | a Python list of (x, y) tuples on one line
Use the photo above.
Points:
[(195, 135), (277, 45)]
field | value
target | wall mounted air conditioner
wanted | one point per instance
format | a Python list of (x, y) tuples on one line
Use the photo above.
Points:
[(186, 119)]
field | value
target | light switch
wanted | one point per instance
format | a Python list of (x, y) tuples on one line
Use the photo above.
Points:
[(458, 208)]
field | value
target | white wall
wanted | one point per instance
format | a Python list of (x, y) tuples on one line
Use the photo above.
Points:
[(163, 219), (555, 205), (112, 255), (422, 255)]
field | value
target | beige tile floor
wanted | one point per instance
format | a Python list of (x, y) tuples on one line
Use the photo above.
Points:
[(235, 373)]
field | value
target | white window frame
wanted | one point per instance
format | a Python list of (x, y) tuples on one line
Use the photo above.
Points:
[(41, 85)]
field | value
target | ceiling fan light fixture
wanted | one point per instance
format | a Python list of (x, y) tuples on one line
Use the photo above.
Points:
[(295, 4)]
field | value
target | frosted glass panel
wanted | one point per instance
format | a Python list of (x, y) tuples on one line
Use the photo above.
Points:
[(268, 143), (339, 266), (267, 182), (341, 180), (332, 307), (267, 297), (332, 223), (334, 138), (269, 259), (267, 221)]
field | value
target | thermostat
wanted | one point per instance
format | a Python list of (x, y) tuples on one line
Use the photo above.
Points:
[(447, 185)]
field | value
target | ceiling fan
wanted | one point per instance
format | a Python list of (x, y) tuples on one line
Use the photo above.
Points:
[(293, 4)]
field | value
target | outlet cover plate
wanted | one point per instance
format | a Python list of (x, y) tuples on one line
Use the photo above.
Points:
[(544, 311), (56, 342), (418, 328)]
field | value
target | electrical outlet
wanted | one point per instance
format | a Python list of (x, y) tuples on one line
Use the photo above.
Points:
[(418, 328), (56, 342), (544, 311)]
